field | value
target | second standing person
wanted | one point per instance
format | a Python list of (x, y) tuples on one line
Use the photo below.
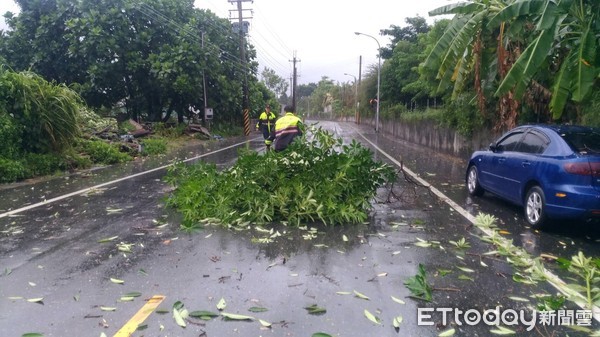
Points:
[(266, 123)]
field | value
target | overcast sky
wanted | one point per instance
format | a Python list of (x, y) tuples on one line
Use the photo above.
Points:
[(319, 32)]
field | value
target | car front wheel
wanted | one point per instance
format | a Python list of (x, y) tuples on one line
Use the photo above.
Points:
[(535, 204), (473, 182)]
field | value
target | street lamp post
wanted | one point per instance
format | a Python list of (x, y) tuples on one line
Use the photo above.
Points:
[(355, 97), (378, 78)]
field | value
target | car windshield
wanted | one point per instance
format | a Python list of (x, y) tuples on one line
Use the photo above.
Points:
[(585, 142)]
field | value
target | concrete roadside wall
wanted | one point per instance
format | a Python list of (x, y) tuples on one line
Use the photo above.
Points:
[(431, 135)]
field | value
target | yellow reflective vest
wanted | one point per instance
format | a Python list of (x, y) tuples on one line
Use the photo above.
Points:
[(266, 121), (286, 129)]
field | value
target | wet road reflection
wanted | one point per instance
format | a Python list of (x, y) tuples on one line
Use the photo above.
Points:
[(70, 252), (447, 174)]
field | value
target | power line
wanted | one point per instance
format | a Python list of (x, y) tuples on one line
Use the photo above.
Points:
[(273, 62), (260, 40), (273, 32), (182, 30), (270, 60)]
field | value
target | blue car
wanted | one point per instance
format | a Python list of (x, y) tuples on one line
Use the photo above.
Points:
[(552, 171)]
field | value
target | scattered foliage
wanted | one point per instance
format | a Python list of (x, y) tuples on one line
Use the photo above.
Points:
[(461, 244), (204, 315), (360, 295), (372, 317), (500, 330), (551, 303), (418, 285), (236, 317), (257, 309), (587, 270), (315, 310), (180, 314), (447, 333), (531, 270)]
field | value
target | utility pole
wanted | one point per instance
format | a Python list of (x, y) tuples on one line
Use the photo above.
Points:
[(205, 111), (355, 97), (378, 78), (357, 117), (242, 26), (294, 81)]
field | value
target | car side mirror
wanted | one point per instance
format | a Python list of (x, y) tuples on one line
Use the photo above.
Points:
[(493, 147)]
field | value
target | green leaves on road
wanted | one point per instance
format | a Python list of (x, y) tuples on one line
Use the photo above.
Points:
[(372, 317), (315, 310), (418, 285), (180, 314)]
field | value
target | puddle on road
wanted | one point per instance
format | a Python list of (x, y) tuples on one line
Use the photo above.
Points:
[(297, 269)]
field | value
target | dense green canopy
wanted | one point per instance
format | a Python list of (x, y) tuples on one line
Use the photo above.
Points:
[(145, 58)]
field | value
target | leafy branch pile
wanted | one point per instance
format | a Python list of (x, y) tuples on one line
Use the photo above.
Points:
[(316, 179)]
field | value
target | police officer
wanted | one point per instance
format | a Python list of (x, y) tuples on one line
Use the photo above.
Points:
[(266, 122), (287, 128)]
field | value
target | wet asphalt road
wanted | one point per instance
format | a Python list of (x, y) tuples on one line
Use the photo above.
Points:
[(60, 252)]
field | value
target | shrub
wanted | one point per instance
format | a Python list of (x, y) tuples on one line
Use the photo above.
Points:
[(591, 111), (12, 170), (419, 115), (74, 160), (104, 153), (394, 111), (226, 130), (44, 164), (47, 111), (463, 115), (153, 146), (10, 136), (125, 127), (167, 130)]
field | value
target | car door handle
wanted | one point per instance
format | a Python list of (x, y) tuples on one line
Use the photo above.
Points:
[(526, 163), (501, 160)]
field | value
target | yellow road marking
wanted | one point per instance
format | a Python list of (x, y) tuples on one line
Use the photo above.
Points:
[(140, 316)]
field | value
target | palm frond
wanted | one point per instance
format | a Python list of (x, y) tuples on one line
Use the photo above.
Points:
[(457, 8), (562, 87), (585, 69), (515, 10), (523, 70)]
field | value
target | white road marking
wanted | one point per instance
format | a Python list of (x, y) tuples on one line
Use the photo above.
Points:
[(46, 202)]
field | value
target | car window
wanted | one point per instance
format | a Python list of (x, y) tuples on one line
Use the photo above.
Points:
[(510, 143), (533, 143), (583, 141)]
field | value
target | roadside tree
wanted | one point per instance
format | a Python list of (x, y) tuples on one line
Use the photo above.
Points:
[(525, 58), (145, 59)]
